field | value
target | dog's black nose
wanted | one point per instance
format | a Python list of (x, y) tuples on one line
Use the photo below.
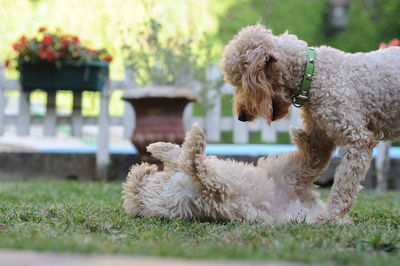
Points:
[(243, 117)]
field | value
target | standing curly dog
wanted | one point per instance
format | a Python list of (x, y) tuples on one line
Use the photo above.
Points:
[(353, 102)]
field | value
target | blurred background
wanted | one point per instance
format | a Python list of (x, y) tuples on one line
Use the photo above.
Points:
[(188, 37), (349, 25)]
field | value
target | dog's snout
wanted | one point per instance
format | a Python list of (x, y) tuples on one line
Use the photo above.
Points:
[(243, 117)]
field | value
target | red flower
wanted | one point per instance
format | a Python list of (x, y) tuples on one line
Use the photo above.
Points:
[(43, 53), (394, 42), (7, 63), (16, 46), (75, 40), (383, 45), (20, 44), (51, 55), (108, 58), (47, 54), (22, 39), (47, 40), (55, 46)]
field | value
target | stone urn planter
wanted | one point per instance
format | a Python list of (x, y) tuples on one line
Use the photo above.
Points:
[(159, 114)]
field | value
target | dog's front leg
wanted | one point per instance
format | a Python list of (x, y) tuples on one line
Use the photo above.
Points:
[(297, 171), (314, 151), (355, 161)]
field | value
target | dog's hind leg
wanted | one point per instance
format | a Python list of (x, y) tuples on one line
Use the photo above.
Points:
[(167, 152), (194, 144), (132, 187)]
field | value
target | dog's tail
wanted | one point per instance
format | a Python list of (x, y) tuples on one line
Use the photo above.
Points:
[(131, 188), (193, 146)]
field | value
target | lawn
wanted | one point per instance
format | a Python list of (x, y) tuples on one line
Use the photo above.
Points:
[(86, 217)]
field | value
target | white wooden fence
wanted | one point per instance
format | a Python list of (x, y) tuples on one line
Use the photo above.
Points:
[(212, 122)]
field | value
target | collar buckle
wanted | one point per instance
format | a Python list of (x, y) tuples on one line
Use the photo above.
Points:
[(302, 95)]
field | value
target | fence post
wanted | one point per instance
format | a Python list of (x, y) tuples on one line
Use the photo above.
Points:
[(382, 165), (76, 119), (213, 114), (103, 155), (2, 102), (50, 119), (187, 116), (240, 132), (268, 133), (24, 115), (129, 112), (295, 117)]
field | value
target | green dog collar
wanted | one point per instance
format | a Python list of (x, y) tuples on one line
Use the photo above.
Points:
[(302, 95)]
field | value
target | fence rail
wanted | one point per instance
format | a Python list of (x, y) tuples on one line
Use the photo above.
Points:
[(212, 121)]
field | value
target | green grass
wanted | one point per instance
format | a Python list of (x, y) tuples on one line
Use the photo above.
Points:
[(86, 217)]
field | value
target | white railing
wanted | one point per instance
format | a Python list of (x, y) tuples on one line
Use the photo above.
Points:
[(213, 122)]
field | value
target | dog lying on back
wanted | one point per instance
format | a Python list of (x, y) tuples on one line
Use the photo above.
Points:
[(200, 187)]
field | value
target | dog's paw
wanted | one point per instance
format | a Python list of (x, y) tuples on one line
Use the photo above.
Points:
[(345, 220), (326, 218), (321, 219)]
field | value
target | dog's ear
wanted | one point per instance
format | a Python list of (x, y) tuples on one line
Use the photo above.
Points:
[(255, 81)]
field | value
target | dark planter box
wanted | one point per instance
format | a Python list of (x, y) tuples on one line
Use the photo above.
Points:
[(90, 76)]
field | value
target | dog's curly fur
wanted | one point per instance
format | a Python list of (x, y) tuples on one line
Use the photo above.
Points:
[(196, 186), (354, 101)]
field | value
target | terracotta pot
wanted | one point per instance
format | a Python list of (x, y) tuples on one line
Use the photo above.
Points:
[(159, 113)]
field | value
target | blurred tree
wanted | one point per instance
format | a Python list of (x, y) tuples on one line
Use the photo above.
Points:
[(369, 21)]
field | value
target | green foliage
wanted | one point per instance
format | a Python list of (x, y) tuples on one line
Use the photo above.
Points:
[(255, 137), (90, 102), (85, 217), (302, 18), (369, 25), (226, 105), (283, 138), (157, 62), (179, 61), (227, 137), (370, 22)]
